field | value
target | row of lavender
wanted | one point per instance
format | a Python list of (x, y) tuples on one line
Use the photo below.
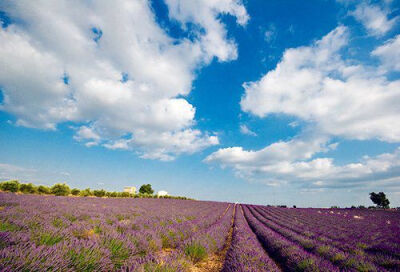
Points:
[(363, 240), (39, 233), (314, 240)]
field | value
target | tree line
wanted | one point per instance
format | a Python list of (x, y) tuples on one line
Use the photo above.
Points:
[(62, 189)]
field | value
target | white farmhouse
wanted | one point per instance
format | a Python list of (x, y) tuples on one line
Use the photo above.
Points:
[(162, 193), (130, 189)]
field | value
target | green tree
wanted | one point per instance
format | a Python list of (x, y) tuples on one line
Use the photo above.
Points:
[(146, 189), (99, 193), (43, 190), (380, 200), (86, 192), (60, 189), (75, 191), (27, 188), (11, 186), (124, 194)]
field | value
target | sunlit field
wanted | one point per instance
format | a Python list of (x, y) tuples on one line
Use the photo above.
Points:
[(50, 233)]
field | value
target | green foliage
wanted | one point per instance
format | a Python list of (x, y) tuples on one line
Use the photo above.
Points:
[(119, 252), (195, 252), (48, 239), (124, 194), (75, 192), (60, 189), (307, 265), (6, 226), (63, 190), (86, 192), (11, 186), (86, 259), (99, 193), (58, 222), (27, 188), (380, 200), (323, 250), (146, 189), (41, 189)]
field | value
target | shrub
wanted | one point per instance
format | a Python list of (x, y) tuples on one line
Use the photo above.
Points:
[(43, 190), (60, 189), (99, 193), (124, 194), (112, 194), (27, 188), (195, 252), (11, 186), (86, 192), (75, 192)]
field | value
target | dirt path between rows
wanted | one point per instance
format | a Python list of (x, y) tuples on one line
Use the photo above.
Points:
[(215, 262)]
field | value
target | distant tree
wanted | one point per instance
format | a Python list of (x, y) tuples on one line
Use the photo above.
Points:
[(27, 188), (111, 194), (124, 194), (11, 186), (60, 189), (75, 192), (380, 200), (361, 207), (99, 193), (41, 189), (146, 189), (86, 192), (294, 206)]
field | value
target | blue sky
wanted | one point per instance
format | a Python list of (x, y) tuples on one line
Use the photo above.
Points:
[(268, 102)]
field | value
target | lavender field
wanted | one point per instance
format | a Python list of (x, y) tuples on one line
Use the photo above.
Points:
[(49, 233)]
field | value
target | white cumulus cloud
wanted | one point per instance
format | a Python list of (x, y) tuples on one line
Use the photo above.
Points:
[(374, 18), (111, 70), (389, 53), (317, 85), (334, 97)]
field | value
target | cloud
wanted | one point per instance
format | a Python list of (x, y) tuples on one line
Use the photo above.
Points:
[(340, 98), (295, 149), (270, 33), (10, 172), (389, 53), (204, 13), (111, 70), (333, 97), (374, 18), (245, 130), (294, 162)]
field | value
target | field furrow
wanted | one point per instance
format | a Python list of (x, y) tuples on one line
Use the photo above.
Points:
[(290, 255)]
